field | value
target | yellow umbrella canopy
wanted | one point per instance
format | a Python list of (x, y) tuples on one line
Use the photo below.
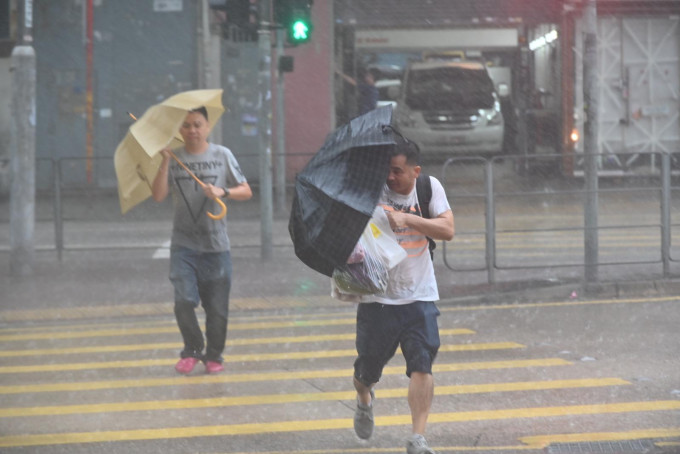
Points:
[(137, 157)]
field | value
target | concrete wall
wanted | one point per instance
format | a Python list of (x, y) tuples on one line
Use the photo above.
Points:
[(142, 56), (5, 102)]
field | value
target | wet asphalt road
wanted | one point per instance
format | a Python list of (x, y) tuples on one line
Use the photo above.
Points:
[(511, 377), (538, 362)]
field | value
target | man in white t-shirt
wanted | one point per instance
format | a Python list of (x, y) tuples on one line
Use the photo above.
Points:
[(406, 314)]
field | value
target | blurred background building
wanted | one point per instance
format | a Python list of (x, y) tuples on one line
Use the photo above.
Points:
[(143, 51)]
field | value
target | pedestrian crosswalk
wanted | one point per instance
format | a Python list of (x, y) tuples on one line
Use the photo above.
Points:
[(277, 376), (109, 386)]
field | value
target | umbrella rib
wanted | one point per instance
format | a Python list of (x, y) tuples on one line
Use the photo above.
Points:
[(191, 174)]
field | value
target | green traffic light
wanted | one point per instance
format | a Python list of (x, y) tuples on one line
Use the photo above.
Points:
[(300, 30)]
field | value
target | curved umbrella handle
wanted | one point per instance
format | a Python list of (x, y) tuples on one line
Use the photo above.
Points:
[(220, 215)]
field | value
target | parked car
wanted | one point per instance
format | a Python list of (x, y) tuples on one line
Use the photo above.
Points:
[(451, 107)]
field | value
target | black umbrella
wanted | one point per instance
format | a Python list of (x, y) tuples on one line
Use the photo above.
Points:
[(337, 191)]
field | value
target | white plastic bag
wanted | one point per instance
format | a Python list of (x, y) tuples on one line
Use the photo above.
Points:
[(386, 241), (366, 271)]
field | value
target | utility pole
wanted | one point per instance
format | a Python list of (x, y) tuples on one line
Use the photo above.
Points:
[(280, 127), (22, 138), (265, 128), (523, 101), (89, 87), (591, 141)]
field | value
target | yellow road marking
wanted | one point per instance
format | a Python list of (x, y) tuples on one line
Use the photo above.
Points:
[(268, 399), (540, 412), (615, 436), (95, 349), (633, 234), (545, 440), (87, 333), (266, 376), (662, 299), (47, 314), (105, 311), (327, 424), (401, 450), (249, 357), (159, 308), (172, 329), (285, 322), (500, 256), (502, 246), (44, 324), (174, 345)]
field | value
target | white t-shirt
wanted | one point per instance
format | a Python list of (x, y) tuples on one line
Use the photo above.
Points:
[(413, 278)]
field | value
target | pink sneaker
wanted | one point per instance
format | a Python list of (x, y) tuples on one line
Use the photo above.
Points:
[(186, 365), (213, 367)]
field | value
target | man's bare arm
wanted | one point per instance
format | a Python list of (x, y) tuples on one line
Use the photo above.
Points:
[(439, 228)]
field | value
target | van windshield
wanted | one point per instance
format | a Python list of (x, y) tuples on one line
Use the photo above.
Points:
[(449, 88)]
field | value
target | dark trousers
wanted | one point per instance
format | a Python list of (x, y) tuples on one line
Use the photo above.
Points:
[(201, 278)]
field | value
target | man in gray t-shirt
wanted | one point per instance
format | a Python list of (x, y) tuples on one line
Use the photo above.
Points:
[(200, 261)]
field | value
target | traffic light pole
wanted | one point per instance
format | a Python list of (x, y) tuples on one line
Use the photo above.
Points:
[(265, 115), (280, 128)]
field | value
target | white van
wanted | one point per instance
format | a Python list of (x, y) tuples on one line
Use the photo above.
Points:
[(385, 88), (450, 107)]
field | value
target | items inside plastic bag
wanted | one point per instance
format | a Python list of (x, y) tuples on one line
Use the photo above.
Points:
[(366, 270)]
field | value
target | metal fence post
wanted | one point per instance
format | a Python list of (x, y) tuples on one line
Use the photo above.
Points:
[(490, 253), (666, 213), (264, 114), (58, 216)]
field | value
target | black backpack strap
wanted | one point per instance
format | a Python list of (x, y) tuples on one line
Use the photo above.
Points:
[(424, 193)]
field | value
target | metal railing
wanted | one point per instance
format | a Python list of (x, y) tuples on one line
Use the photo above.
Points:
[(649, 187), (503, 194)]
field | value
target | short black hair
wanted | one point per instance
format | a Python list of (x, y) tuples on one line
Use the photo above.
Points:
[(202, 110), (408, 148)]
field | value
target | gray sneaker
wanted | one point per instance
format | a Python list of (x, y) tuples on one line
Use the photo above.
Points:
[(363, 419), (416, 444)]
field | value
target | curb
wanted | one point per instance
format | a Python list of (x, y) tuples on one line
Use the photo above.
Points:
[(530, 291), (154, 309)]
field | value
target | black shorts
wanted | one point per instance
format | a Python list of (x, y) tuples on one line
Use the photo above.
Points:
[(381, 328)]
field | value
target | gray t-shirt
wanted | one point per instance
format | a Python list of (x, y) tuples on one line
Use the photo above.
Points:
[(192, 228)]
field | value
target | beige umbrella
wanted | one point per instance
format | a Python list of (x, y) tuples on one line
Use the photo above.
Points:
[(137, 157)]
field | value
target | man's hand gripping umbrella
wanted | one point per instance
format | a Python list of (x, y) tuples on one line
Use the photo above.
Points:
[(220, 215)]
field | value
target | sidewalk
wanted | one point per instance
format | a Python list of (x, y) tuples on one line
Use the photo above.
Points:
[(119, 281)]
